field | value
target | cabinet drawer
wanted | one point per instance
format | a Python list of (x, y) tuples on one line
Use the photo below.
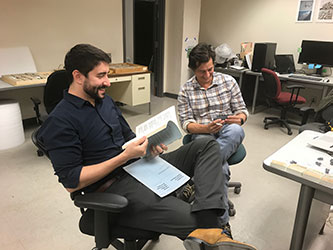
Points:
[(120, 79), (141, 77), (141, 89)]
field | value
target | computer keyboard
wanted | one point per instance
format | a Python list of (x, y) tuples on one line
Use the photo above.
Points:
[(305, 77)]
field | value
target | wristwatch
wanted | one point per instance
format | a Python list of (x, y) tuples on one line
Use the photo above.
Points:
[(242, 121)]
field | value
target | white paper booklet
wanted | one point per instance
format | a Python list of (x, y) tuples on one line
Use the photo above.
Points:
[(158, 175), (324, 141), (162, 128)]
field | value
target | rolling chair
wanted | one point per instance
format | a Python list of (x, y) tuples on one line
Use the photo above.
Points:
[(56, 83), (99, 213), (235, 158), (323, 121), (285, 100)]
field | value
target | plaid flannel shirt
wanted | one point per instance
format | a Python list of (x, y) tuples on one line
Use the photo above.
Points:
[(196, 104)]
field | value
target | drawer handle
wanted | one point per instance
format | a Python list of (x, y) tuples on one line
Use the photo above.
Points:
[(141, 78), (141, 88)]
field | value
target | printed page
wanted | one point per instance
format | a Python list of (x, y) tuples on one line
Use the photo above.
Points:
[(157, 122), (158, 175), (155, 125)]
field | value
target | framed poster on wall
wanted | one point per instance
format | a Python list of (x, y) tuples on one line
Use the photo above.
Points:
[(325, 11), (305, 10)]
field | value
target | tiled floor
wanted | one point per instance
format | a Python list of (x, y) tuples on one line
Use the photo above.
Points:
[(37, 213)]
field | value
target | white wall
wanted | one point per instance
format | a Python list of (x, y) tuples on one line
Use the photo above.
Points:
[(236, 21), (174, 11), (182, 26), (190, 34), (51, 28)]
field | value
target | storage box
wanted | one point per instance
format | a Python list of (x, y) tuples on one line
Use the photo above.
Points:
[(126, 68), (26, 78)]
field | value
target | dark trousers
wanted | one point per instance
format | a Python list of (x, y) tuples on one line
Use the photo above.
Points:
[(169, 215)]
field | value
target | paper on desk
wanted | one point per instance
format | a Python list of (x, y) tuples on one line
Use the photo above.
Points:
[(158, 175), (324, 142)]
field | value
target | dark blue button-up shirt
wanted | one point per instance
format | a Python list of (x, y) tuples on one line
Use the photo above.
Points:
[(77, 134)]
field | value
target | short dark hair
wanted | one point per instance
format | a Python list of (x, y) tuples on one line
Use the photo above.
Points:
[(201, 53), (84, 58)]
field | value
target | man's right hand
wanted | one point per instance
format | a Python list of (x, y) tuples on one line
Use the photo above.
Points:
[(137, 148), (215, 126)]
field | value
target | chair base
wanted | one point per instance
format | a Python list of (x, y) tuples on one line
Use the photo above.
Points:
[(236, 185), (237, 190), (282, 122)]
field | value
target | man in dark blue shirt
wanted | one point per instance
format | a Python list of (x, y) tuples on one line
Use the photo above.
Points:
[(84, 135)]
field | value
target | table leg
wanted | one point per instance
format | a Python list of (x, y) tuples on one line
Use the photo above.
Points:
[(255, 94), (241, 80), (324, 92), (302, 213)]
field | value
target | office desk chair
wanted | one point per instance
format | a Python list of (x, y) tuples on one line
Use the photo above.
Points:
[(235, 158), (99, 213), (55, 85), (284, 100)]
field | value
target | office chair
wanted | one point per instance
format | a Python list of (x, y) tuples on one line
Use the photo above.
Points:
[(235, 158), (323, 121), (99, 213), (285, 100), (55, 85)]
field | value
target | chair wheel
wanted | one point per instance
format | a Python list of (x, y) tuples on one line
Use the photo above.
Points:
[(40, 153), (156, 238), (290, 133), (232, 212), (237, 190)]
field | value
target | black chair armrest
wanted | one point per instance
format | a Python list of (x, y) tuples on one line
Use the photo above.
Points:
[(306, 113), (35, 100), (101, 201), (294, 86)]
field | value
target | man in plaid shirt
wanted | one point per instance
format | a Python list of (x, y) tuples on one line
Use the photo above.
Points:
[(211, 104)]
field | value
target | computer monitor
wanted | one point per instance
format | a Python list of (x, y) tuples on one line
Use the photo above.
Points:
[(316, 52), (285, 63)]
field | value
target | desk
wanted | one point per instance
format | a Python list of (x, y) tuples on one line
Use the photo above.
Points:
[(233, 72), (311, 188), (132, 89), (258, 75)]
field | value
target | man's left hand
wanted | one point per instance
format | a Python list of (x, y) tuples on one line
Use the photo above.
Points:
[(157, 150), (236, 119)]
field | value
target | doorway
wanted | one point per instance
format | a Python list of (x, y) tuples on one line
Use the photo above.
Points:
[(146, 17)]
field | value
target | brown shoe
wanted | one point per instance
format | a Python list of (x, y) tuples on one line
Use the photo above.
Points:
[(213, 239)]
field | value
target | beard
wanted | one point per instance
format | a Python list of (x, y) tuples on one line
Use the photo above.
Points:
[(92, 91)]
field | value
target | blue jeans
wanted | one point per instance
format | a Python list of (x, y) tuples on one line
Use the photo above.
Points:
[(229, 139)]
